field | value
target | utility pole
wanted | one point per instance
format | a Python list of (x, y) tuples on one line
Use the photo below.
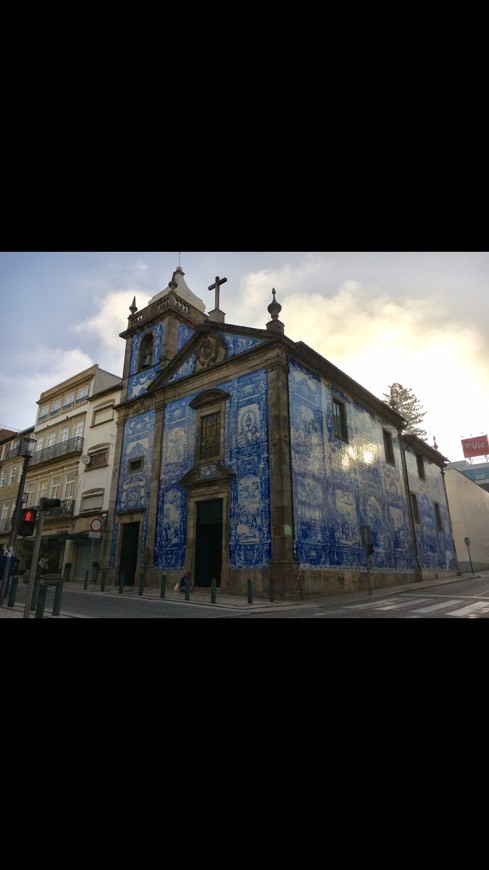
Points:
[(33, 571)]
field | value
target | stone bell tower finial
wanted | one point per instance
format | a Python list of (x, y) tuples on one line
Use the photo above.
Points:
[(275, 325)]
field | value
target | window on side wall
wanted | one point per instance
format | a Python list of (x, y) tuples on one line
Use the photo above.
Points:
[(101, 457), (339, 420), (92, 500), (135, 465), (82, 395), (420, 464), (388, 447)]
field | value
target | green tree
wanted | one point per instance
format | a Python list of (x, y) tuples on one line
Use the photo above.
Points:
[(405, 402)]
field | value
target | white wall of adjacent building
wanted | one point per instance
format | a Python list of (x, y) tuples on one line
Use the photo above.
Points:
[(469, 511)]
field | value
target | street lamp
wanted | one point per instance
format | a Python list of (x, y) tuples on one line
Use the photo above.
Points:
[(26, 449), (467, 544)]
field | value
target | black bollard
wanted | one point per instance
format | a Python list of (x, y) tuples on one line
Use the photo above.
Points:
[(141, 584), (271, 589), (35, 593), (41, 600), (102, 582), (85, 584), (13, 591), (121, 583), (250, 592), (57, 597), (213, 591), (163, 586)]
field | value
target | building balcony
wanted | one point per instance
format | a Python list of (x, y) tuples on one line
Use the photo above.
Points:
[(65, 509), (65, 448)]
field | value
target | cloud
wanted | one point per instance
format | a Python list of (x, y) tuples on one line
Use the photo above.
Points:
[(20, 393), (104, 327), (376, 336), (379, 339)]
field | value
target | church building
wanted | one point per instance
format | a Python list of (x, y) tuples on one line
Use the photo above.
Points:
[(242, 455)]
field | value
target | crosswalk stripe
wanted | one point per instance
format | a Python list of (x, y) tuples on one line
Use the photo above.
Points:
[(478, 605), (396, 605), (385, 604), (438, 606)]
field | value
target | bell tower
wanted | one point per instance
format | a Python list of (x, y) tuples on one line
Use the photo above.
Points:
[(156, 333)]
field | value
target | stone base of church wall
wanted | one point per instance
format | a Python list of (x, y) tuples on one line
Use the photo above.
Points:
[(318, 584), (283, 581)]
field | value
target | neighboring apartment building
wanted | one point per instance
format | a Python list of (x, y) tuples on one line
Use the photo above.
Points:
[(11, 465), (243, 455), (74, 432), (94, 481)]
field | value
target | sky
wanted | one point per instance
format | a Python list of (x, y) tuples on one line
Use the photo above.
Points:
[(420, 319)]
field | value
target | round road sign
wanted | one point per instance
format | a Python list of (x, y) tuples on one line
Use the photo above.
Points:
[(96, 524)]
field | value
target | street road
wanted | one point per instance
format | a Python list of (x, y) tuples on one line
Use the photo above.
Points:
[(462, 598)]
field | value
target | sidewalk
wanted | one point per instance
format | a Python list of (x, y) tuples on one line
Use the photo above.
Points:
[(226, 601)]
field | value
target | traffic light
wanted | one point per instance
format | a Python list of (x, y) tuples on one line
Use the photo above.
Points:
[(46, 503), (27, 522)]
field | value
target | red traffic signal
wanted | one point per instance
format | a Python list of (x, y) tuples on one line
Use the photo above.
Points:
[(27, 522)]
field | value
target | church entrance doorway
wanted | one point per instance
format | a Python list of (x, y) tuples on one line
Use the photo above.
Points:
[(208, 542), (129, 553)]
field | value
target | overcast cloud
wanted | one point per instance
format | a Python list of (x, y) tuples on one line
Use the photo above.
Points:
[(420, 319)]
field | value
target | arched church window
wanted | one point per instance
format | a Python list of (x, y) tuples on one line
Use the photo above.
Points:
[(146, 352)]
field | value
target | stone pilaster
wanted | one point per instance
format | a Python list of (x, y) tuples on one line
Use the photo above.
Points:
[(283, 565)]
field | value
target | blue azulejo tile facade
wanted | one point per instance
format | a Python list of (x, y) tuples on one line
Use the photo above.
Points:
[(246, 456), (133, 490), (302, 462), (434, 542), (341, 484)]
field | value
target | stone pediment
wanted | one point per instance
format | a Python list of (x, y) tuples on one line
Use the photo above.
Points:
[(203, 350), (212, 473), (206, 348)]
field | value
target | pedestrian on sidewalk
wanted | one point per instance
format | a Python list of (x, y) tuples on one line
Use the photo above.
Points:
[(184, 583)]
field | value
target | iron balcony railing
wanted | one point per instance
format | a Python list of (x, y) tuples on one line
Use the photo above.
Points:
[(65, 509), (73, 445)]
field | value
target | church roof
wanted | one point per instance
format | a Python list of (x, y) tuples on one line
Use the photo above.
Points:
[(178, 285)]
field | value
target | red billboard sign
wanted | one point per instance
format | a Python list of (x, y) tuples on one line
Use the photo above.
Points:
[(478, 446)]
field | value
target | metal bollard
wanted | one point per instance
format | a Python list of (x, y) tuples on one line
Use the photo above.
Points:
[(35, 593), (41, 600), (250, 592), (213, 591), (57, 597), (163, 586), (121, 584), (271, 590), (85, 584), (141, 584), (187, 590), (13, 591), (102, 582)]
